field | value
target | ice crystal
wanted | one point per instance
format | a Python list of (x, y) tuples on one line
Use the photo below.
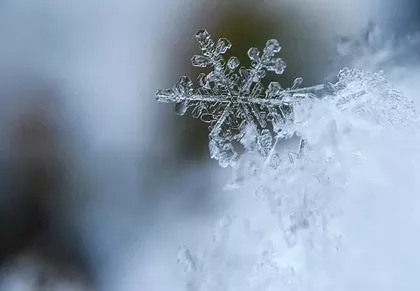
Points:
[(232, 99), (302, 198), (337, 131)]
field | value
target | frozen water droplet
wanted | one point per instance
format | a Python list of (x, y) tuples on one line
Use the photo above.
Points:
[(204, 40), (273, 91), (296, 83), (207, 118), (222, 151), (164, 95), (265, 141), (200, 61), (222, 46), (259, 75), (253, 54), (202, 34), (272, 46), (184, 86), (233, 63), (202, 80), (277, 65)]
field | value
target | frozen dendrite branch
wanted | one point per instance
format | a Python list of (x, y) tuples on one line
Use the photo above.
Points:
[(232, 99)]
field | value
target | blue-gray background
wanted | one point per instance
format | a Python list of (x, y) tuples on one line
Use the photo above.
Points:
[(137, 179)]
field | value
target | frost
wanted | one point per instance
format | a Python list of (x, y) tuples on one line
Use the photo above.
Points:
[(339, 126), (232, 99)]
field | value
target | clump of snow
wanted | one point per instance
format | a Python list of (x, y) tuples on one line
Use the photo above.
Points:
[(335, 216)]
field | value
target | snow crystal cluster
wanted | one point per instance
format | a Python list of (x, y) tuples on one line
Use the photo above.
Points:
[(334, 124)]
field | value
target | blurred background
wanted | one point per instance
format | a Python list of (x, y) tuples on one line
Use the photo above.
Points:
[(100, 184)]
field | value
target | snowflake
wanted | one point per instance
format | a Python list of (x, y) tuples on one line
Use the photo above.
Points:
[(233, 101)]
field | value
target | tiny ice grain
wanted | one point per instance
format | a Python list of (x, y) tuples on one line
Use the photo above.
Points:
[(233, 101)]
